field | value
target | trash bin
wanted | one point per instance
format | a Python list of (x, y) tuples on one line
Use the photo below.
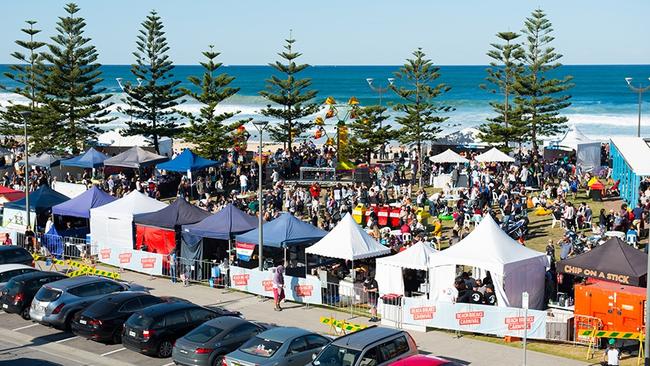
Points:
[(359, 213), (394, 217), (382, 215), (422, 214), (596, 191)]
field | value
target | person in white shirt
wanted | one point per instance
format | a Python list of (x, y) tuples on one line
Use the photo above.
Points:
[(612, 354), (243, 183)]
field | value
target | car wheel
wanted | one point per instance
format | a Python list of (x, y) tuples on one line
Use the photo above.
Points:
[(165, 349), (218, 361), (67, 326), (25, 313), (117, 337)]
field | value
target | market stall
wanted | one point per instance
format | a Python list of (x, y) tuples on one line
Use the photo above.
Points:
[(8, 194), (40, 205), (494, 155), (159, 231), (72, 218), (514, 269), (135, 158), (91, 159), (186, 162), (443, 180), (587, 150), (390, 270)]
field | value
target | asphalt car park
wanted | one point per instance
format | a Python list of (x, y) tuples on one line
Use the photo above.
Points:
[(44, 334)]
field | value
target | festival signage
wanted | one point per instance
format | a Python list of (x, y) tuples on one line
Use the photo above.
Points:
[(135, 260), (305, 290), (590, 272)]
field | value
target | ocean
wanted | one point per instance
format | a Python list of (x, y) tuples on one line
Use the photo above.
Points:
[(602, 103)]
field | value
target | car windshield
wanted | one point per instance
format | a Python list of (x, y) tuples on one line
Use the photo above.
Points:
[(13, 287), (261, 347), (47, 294), (334, 355), (203, 333), (139, 320)]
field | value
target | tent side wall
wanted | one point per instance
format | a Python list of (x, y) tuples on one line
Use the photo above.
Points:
[(588, 157), (389, 278), (522, 276), (621, 170), (111, 231), (158, 240)]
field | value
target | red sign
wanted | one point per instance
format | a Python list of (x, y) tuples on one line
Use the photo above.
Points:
[(423, 312), (125, 258), (241, 279), (470, 317), (105, 253), (517, 322), (267, 285), (148, 262), (303, 290)]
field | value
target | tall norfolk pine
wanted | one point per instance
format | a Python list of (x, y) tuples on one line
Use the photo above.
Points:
[(152, 103), (208, 130), (75, 104), (292, 98)]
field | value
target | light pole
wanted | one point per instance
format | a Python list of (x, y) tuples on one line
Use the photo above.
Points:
[(639, 90), (260, 126), (124, 87), (26, 115), (379, 89)]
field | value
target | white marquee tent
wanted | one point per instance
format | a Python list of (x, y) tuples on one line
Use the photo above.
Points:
[(448, 156), (111, 225), (348, 241), (494, 155), (389, 269), (587, 150), (513, 267)]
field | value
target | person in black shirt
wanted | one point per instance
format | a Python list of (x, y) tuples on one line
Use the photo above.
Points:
[(371, 288), (490, 297)]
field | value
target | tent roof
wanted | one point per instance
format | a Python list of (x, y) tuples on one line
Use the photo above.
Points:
[(129, 205), (187, 160), (348, 241), (486, 247), (635, 151), (574, 137), (414, 257), (45, 160), (494, 155), (80, 206), (134, 157), (466, 136), (448, 156), (180, 212), (40, 200), (224, 224), (90, 159), (284, 231), (612, 257)]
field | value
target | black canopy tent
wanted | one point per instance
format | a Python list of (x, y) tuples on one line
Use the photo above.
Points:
[(613, 261)]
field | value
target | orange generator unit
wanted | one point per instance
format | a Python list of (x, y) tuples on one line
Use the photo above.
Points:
[(619, 307)]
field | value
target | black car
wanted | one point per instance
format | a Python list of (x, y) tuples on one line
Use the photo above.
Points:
[(19, 292), (12, 254), (103, 320), (154, 330)]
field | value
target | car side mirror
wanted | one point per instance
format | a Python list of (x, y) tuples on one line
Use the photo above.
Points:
[(313, 356)]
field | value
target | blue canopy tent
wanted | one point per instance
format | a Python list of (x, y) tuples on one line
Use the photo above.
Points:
[(80, 206), (40, 202), (187, 161), (222, 226), (284, 232), (91, 159)]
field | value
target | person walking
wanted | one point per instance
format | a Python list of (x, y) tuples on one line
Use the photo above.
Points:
[(278, 286), (172, 266)]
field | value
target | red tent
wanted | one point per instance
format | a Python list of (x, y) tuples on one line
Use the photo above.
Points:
[(9, 195)]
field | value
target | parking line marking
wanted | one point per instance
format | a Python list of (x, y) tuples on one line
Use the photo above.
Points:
[(113, 351), (66, 339), (168, 364), (25, 327)]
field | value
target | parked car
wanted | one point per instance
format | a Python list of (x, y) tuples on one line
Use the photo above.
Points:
[(282, 346), (423, 360), (14, 254), (19, 292), (153, 331), (205, 345), (8, 271), (375, 346), (58, 302), (103, 320)]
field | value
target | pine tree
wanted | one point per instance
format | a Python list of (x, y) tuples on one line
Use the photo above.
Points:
[(75, 102), (28, 75), (208, 129), (419, 113), (541, 96), (152, 103), (291, 96), (505, 127), (369, 132)]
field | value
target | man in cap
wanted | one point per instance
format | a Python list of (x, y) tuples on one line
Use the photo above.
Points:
[(612, 354)]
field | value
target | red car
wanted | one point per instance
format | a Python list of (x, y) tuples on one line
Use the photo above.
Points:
[(422, 360)]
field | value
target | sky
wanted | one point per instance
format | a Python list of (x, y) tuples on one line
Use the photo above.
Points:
[(334, 32)]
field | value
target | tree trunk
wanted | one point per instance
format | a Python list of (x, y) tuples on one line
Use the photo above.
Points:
[(289, 140)]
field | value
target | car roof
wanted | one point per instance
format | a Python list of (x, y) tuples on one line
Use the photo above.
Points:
[(36, 275), (282, 334), (226, 322), (166, 307), (4, 248), (117, 297), (11, 267), (364, 337), (76, 281)]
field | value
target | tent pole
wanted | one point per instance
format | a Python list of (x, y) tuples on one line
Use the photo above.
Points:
[(285, 257)]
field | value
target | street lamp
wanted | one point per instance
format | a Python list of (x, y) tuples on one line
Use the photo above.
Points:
[(26, 115), (640, 90), (124, 87), (379, 89), (260, 126)]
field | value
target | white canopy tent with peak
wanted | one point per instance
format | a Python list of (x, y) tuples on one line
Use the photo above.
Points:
[(448, 156), (494, 155), (389, 269)]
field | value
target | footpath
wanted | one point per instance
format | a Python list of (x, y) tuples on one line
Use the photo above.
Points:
[(462, 350)]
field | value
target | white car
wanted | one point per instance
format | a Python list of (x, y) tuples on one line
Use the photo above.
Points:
[(8, 271)]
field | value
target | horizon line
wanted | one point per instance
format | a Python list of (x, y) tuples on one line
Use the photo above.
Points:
[(367, 65)]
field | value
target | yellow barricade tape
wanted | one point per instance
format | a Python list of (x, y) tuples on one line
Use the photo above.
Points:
[(341, 324), (609, 334)]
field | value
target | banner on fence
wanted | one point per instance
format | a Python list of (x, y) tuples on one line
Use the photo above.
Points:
[(135, 260), (499, 321), (305, 290)]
